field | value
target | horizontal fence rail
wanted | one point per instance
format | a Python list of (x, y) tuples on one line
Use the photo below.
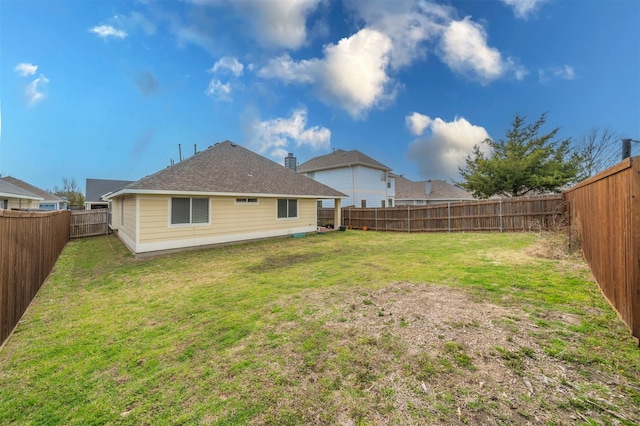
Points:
[(605, 212), (30, 243), (86, 223), (501, 215)]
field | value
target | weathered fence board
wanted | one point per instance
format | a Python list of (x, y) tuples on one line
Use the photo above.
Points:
[(508, 214), (605, 211), (30, 243), (86, 223)]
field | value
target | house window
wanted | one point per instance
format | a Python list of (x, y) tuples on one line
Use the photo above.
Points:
[(4, 204), (246, 201), (287, 208), (363, 204), (388, 184), (390, 202), (311, 175), (189, 210), (382, 203), (383, 176), (319, 204)]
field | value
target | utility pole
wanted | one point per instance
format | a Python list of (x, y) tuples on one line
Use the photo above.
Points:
[(626, 147)]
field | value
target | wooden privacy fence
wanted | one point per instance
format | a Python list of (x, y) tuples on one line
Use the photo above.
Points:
[(85, 223), (605, 212), (503, 215), (30, 243)]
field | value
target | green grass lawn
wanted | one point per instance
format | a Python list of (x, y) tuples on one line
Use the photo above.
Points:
[(344, 328)]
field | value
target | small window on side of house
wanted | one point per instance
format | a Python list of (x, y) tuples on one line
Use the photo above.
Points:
[(246, 201), (363, 204), (186, 210), (382, 203), (287, 208)]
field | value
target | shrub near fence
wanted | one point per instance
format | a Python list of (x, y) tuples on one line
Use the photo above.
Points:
[(605, 211), (507, 214), (30, 243)]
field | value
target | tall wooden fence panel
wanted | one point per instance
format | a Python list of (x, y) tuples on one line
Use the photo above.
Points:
[(503, 215), (30, 243), (86, 223), (605, 211)]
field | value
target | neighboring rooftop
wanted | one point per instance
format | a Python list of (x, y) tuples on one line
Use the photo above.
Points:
[(340, 158), (7, 189), (228, 168), (96, 188), (45, 195), (439, 190)]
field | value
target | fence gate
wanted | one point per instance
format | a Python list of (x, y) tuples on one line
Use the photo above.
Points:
[(86, 223)]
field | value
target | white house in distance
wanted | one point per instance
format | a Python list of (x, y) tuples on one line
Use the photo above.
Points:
[(96, 188), (223, 194), (425, 192), (365, 181), (48, 201)]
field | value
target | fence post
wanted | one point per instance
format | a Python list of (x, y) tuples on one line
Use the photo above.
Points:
[(449, 215), (376, 211), (408, 219), (501, 214)]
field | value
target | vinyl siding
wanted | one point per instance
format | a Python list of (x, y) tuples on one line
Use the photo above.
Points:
[(19, 203), (358, 183), (127, 227), (229, 221)]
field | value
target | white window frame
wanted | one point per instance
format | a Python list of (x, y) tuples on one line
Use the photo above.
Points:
[(246, 201), (190, 223), (288, 217)]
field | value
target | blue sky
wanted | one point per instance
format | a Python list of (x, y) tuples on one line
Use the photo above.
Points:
[(107, 89)]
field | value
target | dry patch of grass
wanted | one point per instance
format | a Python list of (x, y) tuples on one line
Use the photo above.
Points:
[(409, 353)]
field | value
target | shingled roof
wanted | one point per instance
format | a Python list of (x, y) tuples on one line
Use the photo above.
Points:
[(228, 168), (340, 158), (7, 189), (96, 188), (440, 190), (41, 193)]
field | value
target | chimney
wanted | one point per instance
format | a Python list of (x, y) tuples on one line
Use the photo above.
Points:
[(427, 187), (291, 162)]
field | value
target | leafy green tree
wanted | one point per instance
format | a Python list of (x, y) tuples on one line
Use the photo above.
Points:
[(524, 162), (71, 192)]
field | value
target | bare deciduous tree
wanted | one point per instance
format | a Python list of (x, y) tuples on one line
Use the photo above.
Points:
[(599, 149)]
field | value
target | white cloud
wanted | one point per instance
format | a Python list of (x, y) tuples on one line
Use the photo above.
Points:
[(33, 91), (523, 8), (564, 72), (107, 31), (228, 64), (352, 74), (439, 154), (464, 49), (408, 24), (417, 123), (219, 90), (275, 136), (23, 69), (279, 23)]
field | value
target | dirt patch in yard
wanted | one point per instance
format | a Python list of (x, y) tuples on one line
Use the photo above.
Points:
[(415, 354)]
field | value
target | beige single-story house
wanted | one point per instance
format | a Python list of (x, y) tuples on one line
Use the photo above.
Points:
[(14, 197), (223, 194), (49, 201), (427, 192)]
